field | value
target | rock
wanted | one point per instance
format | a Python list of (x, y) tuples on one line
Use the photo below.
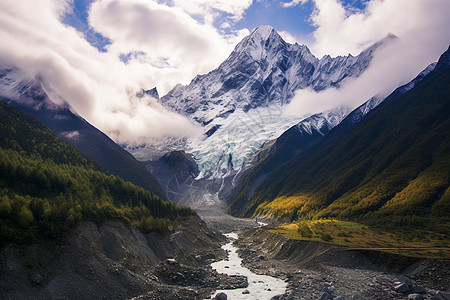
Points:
[(339, 298), (221, 296), (419, 290), (245, 292), (325, 296), (415, 297), (439, 296), (402, 288), (36, 278), (246, 252), (261, 257), (406, 281), (171, 261)]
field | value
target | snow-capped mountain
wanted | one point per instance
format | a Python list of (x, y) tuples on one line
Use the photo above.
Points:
[(239, 103), (33, 93), (262, 70)]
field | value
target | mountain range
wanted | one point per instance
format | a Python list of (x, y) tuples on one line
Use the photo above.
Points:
[(391, 168), (267, 164), (263, 70), (299, 137), (240, 103)]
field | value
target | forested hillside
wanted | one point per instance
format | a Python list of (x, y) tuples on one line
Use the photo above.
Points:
[(47, 186), (392, 169)]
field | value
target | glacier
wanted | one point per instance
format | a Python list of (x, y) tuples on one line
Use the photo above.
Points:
[(238, 138)]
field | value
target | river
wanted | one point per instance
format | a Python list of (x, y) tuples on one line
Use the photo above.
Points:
[(260, 286)]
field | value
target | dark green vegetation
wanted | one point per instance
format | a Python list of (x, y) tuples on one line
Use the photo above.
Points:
[(95, 145), (391, 170), (47, 186)]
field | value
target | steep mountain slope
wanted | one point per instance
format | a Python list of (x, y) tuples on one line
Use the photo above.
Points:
[(262, 70), (31, 96), (299, 137), (176, 171), (279, 151), (47, 186), (392, 168)]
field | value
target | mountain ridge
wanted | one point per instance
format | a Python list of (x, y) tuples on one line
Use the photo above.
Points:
[(263, 69), (32, 97), (377, 163), (246, 93)]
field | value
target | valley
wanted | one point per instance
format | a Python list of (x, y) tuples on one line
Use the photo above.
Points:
[(233, 191)]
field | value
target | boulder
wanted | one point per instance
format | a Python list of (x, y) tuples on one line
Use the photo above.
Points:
[(419, 290), (37, 279), (245, 292), (221, 296), (171, 261), (440, 296), (325, 296), (406, 281), (415, 297), (402, 288)]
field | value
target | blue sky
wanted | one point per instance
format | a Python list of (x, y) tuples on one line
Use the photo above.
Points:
[(295, 20), (78, 18)]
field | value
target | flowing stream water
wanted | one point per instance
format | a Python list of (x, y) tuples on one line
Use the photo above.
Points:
[(261, 287)]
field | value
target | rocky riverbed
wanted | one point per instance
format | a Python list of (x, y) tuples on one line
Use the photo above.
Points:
[(321, 271)]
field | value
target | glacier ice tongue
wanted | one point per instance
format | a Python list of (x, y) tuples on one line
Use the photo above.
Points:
[(239, 137)]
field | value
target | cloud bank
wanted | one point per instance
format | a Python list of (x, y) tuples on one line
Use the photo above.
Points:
[(162, 43), (165, 46), (422, 28)]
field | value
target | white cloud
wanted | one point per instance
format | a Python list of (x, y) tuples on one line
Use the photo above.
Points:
[(209, 9), (98, 86), (173, 44), (422, 28), (293, 3), (225, 25), (340, 31), (287, 37)]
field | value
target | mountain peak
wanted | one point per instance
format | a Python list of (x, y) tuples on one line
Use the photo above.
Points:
[(263, 32), (444, 60)]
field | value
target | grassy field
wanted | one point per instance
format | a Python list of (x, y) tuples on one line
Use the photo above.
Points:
[(417, 243)]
